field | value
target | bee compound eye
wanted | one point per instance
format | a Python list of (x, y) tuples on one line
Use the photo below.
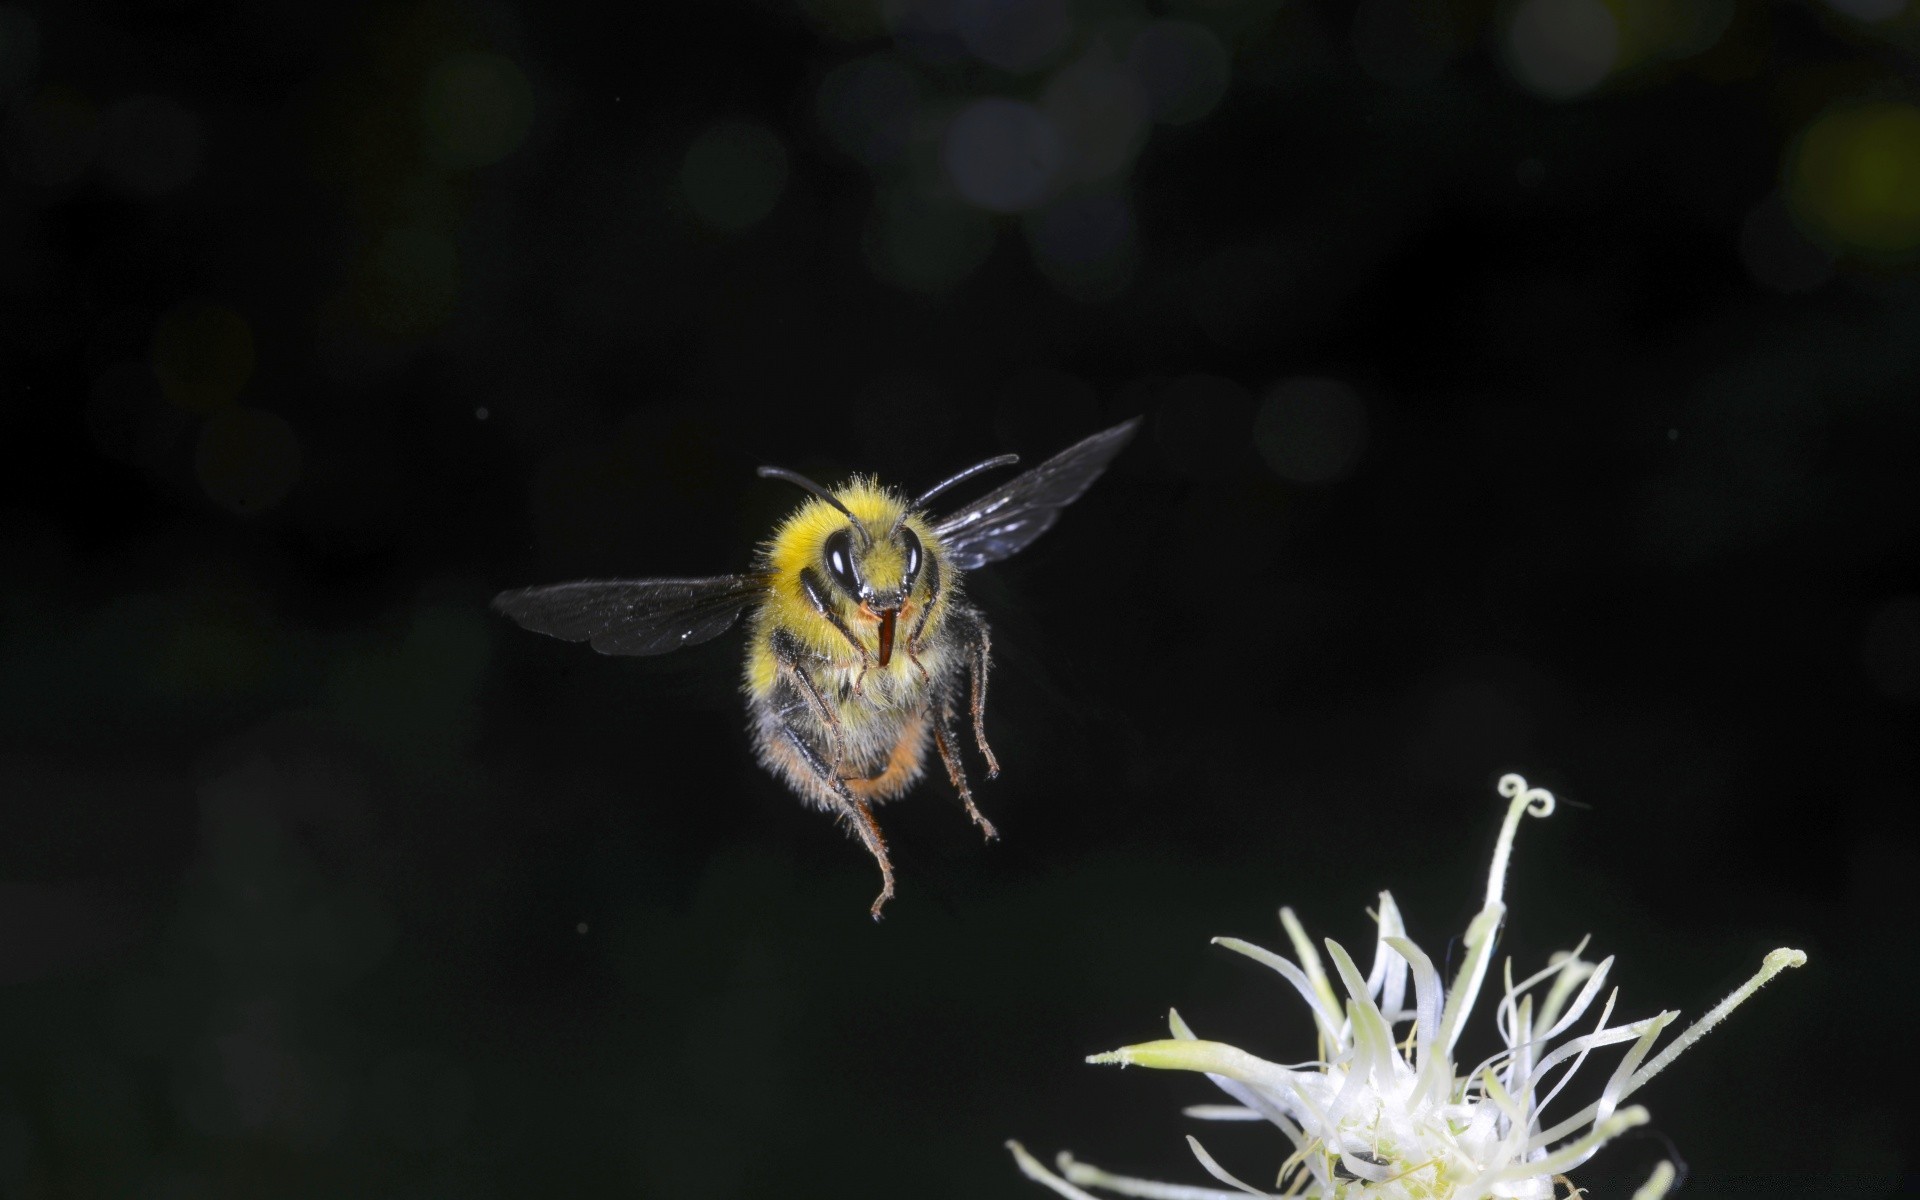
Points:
[(912, 542), (839, 555)]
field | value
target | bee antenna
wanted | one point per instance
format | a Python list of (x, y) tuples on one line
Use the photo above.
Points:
[(1004, 460), (802, 482)]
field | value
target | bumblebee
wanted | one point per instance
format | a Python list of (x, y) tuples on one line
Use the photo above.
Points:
[(863, 648)]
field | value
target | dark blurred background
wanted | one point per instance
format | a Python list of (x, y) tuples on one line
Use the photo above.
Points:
[(1529, 386)]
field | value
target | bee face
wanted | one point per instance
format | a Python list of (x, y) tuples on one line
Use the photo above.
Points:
[(878, 572)]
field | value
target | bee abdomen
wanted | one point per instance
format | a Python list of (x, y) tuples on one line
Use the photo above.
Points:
[(881, 754)]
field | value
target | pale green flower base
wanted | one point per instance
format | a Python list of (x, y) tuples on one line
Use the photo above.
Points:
[(1389, 1114)]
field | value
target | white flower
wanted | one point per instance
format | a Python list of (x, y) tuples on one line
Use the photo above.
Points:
[(1386, 1112)]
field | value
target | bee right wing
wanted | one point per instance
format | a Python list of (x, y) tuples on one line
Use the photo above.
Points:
[(1006, 520), (634, 616)]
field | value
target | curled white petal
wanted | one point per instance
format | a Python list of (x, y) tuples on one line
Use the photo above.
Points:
[(1222, 1174), (1088, 1175), (1032, 1168), (1657, 1185)]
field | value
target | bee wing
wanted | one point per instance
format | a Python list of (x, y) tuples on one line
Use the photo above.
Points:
[(1007, 519), (634, 616)]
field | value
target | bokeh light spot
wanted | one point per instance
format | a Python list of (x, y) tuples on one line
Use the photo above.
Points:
[(1310, 430), (202, 354), (1183, 68), (869, 107), (1100, 113), (475, 110), (1002, 155), (733, 174), (1085, 229), (150, 146), (927, 29), (247, 460), (1562, 48), (1014, 35), (1854, 177)]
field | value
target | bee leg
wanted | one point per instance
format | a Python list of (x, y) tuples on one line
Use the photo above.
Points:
[(981, 645), (943, 741), (851, 809), (822, 712), (816, 594), (914, 658), (920, 626), (869, 831)]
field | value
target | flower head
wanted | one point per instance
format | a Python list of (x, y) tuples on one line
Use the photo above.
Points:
[(1386, 1111)]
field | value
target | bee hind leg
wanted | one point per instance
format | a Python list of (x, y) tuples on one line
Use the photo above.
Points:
[(943, 742), (851, 810), (860, 817)]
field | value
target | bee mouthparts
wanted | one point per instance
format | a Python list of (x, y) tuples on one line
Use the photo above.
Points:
[(887, 618)]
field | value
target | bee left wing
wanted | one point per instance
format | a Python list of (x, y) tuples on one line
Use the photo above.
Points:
[(634, 616), (1006, 520)]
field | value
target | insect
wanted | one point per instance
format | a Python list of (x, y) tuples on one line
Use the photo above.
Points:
[(863, 649)]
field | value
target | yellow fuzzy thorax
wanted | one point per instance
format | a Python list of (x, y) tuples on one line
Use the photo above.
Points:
[(799, 543)]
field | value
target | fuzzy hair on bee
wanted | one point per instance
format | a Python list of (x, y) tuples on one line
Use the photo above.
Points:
[(863, 651)]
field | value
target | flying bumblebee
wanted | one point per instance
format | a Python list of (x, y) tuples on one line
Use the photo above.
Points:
[(863, 647)]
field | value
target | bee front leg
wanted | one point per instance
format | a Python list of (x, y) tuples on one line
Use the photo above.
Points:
[(919, 666), (816, 594), (981, 656), (790, 666), (943, 741), (920, 627)]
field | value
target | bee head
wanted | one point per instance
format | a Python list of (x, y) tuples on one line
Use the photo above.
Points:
[(856, 550)]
